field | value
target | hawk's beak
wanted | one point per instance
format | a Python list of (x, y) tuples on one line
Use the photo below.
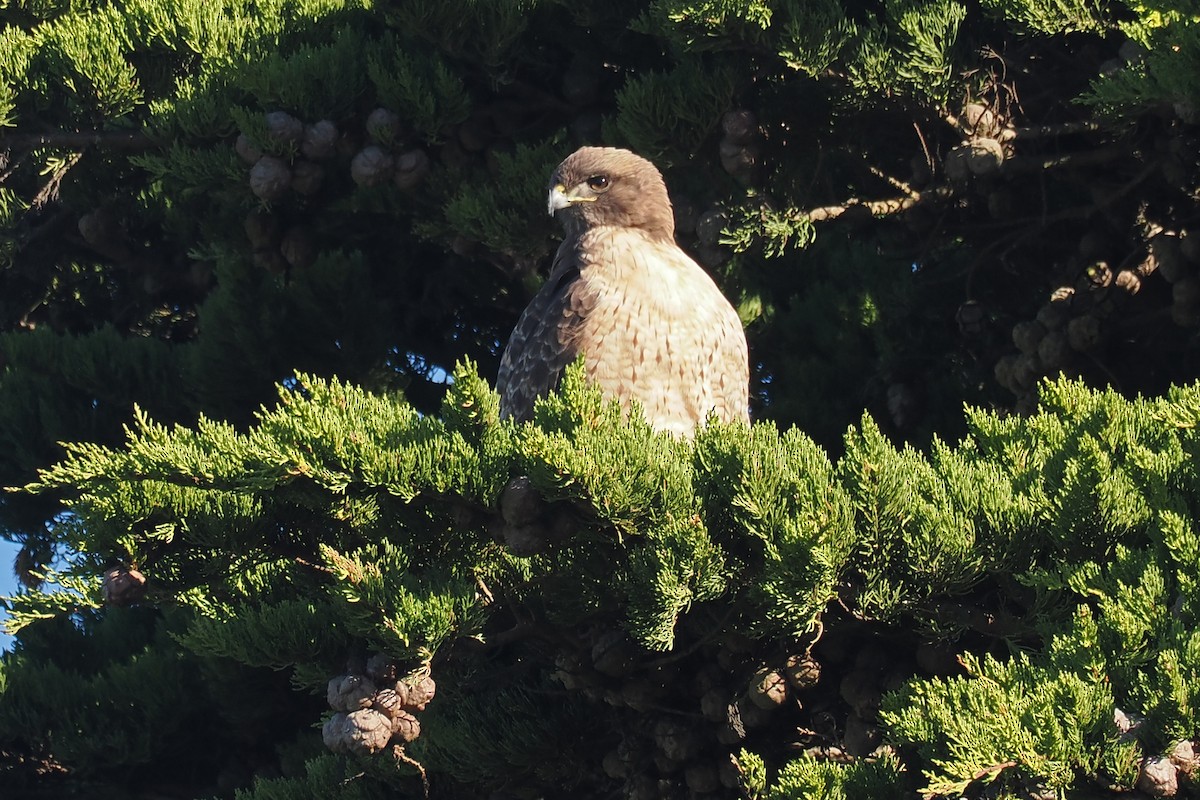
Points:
[(558, 199), (562, 197)]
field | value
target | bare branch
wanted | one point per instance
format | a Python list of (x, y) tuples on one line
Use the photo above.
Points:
[(1046, 131)]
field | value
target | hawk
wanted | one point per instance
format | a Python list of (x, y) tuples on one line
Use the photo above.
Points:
[(650, 323)]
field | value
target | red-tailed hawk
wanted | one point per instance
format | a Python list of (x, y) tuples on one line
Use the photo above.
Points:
[(651, 324)]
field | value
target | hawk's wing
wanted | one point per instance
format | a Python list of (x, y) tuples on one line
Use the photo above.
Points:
[(544, 342)]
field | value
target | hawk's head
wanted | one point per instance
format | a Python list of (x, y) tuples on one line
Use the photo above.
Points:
[(608, 186)]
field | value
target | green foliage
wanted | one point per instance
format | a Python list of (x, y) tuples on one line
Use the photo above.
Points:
[(485, 731), (808, 778), (139, 270), (1006, 716), (506, 212), (483, 32), (75, 595), (406, 615), (1053, 16), (324, 776), (815, 36), (775, 231), (673, 112), (343, 516), (432, 96), (1164, 75), (777, 493)]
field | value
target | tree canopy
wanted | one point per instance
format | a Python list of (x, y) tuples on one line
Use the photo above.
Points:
[(258, 262)]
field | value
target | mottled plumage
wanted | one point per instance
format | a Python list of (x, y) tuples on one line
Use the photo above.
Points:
[(652, 325)]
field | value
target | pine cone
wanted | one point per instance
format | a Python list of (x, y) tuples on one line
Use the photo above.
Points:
[(405, 727), (702, 777), (1028, 335), (1158, 777), (336, 732), (971, 318), (802, 671), (861, 737), (1054, 352), (320, 140), (1027, 369), (350, 692), (1099, 274), (247, 150), (388, 702), (298, 247), (285, 129), (955, 164), (1183, 756), (861, 689), (411, 169), (270, 178), (123, 586), (714, 705), (733, 730), (262, 229), (307, 177), (1185, 301), (740, 126), (382, 669), (383, 126), (685, 212), (525, 540), (1083, 333), (1053, 316), (768, 689), (639, 694), (613, 766), (366, 731), (1128, 281), (751, 715), (984, 156), (1189, 245), (675, 740), (1128, 725), (372, 166), (416, 691), (1167, 250), (613, 654), (978, 120)]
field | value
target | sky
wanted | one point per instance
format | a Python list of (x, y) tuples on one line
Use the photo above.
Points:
[(8, 583)]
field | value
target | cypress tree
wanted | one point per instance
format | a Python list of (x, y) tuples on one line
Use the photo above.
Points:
[(257, 262)]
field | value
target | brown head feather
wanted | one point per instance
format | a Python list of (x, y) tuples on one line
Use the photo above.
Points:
[(633, 195)]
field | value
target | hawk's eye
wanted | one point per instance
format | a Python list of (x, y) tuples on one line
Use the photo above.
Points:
[(598, 183)]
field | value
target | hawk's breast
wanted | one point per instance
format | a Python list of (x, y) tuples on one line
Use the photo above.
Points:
[(658, 331)]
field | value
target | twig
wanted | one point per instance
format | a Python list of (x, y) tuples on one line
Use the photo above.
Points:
[(894, 181), (398, 752), (879, 208), (484, 590), (924, 147), (1046, 131), (49, 192)]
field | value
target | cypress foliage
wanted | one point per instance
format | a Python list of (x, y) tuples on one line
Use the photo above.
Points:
[(343, 524), (276, 546)]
